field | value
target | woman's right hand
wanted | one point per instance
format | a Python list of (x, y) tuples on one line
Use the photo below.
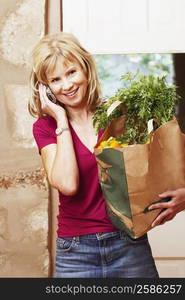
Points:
[(56, 111)]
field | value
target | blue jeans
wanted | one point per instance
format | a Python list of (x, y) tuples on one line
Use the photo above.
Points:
[(104, 255)]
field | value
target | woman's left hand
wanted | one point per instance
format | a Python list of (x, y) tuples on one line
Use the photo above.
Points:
[(171, 208)]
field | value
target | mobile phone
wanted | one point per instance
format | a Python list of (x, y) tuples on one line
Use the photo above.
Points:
[(50, 95)]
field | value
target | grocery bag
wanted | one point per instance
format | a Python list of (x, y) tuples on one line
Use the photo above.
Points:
[(133, 176)]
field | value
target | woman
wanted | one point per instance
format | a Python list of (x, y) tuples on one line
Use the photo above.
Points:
[(88, 245)]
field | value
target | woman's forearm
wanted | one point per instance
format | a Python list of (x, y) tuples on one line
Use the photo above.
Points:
[(64, 173)]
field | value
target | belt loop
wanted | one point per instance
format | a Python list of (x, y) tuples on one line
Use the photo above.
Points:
[(76, 238), (121, 233)]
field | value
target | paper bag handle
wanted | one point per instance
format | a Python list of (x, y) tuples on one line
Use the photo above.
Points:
[(150, 124), (146, 210), (115, 104), (113, 107)]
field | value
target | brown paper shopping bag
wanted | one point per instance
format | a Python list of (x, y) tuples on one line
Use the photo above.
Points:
[(131, 177)]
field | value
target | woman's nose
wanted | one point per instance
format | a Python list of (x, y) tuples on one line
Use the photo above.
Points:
[(66, 85)]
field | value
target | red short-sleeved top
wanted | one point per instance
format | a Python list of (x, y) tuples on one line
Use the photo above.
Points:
[(84, 212)]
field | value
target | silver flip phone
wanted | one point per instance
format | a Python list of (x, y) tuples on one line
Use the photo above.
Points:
[(50, 95)]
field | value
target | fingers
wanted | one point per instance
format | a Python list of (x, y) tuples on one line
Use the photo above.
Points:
[(42, 93), (160, 205), (47, 106), (168, 218), (163, 205), (170, 208), (165, 215), (159, 218), (167, 194), (45, 102), (163, 218)]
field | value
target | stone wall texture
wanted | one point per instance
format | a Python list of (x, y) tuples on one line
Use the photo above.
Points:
[(24, 190)]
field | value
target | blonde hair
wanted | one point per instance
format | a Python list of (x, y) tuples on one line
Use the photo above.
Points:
[(45, 55)]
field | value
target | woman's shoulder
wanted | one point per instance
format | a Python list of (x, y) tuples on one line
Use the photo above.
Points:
[(44, 131), (45, 126), (45, 121)]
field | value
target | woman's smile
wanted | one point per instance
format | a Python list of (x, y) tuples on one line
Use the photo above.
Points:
[(71, 94)]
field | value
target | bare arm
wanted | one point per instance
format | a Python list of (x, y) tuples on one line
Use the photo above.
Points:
[(59, 159)]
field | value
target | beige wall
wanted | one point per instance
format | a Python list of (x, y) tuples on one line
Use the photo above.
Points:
[(23, 187)]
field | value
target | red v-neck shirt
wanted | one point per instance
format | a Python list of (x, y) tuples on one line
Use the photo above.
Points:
[(84, 212)]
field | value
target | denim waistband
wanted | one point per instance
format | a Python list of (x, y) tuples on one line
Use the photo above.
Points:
[(100, 235)]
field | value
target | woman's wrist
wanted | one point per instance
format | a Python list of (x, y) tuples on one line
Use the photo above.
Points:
[(62, 122)]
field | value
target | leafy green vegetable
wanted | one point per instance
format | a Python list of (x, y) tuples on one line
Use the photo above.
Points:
[(145, 97)]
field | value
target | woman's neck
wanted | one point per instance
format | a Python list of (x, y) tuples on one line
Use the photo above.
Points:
[(79, 116)]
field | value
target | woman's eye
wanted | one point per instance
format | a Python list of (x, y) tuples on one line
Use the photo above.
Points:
[(55, 79), (72, 71)]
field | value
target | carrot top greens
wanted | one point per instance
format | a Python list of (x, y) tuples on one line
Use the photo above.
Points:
[(144, 97)]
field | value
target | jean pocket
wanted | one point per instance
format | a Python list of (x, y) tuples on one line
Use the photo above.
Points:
[(65, 244), (141, 239)]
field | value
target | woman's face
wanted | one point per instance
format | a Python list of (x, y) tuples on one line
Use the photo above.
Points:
[(68, 83)]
